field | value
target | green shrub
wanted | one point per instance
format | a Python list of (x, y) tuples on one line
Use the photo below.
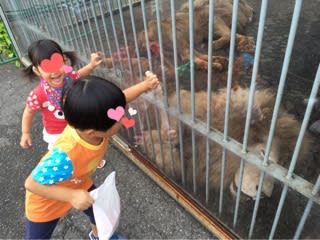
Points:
[(6, 46)]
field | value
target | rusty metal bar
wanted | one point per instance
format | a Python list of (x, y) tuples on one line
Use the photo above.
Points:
[(174, 191)]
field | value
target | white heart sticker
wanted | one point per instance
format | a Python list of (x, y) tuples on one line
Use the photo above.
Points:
[(132, 111)]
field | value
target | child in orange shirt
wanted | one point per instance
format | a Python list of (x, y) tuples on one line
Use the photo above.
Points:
[(94, 110)]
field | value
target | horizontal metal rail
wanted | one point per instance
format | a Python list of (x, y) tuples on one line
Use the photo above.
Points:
[(273, 169), (188, 202)]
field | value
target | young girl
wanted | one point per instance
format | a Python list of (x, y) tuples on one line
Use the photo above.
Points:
[(46, 97), (62, 179)]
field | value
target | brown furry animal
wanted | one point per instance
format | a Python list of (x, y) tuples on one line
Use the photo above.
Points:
[(159, 142), (286, 133), (218, 78), (222, 21), (126, 63), (218, 81)]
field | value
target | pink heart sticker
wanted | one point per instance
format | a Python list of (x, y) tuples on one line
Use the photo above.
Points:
[(67, 69), (128, 123), (116, 114), (53, 64)]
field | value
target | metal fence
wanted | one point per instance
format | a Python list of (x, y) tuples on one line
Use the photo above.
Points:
[(233, 131)]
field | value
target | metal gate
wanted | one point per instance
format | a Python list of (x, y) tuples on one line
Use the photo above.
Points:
[(233, 132)]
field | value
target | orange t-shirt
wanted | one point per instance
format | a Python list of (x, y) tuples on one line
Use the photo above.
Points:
[(70, 163)]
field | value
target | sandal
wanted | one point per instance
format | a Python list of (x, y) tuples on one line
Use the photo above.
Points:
[(115, 236), (102, 163)]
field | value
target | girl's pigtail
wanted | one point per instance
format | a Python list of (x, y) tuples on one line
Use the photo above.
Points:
[(28, 73), (72, 56)]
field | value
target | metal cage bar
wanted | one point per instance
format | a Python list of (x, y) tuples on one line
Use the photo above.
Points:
[(106, 25)]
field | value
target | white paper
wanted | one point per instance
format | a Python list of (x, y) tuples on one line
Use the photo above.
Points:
[(106, 207)]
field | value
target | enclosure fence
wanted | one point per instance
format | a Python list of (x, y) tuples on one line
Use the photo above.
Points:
[(230, 134)]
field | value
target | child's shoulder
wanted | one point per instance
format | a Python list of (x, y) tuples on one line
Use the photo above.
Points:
[(37, 91), (66, 141), (36, 97)]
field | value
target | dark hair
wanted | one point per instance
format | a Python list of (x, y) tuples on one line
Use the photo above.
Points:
[(43, 49), (86, 103)]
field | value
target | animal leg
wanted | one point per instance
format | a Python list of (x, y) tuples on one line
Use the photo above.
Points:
[(222, 31), (218, 63), (221, 42), (166, 130), (245, 44)]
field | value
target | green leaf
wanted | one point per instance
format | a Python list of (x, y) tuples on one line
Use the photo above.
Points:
[(6, 48), (18, 64)]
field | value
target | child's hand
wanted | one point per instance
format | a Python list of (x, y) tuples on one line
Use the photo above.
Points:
[(96, 59), (81, 199), (151, 80), (26, 140)]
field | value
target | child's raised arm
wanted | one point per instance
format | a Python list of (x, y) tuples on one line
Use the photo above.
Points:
[(96, 60), (150, 82)]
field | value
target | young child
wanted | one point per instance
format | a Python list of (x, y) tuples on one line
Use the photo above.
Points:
[(62, 179), (46, 97)]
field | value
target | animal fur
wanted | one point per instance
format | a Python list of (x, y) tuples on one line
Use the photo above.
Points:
[(222, 23), (286, 133), (218, 78), (218, 81)]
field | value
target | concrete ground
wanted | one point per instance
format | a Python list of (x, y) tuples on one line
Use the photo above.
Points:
[(147, 211)]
